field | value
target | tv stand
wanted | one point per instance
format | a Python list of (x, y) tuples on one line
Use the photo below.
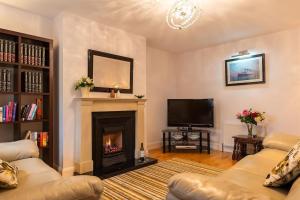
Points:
[(186, 139)]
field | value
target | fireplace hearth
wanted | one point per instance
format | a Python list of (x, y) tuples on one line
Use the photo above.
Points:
[(113, 140)]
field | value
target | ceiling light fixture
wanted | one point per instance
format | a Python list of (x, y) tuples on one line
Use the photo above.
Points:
[(183, 14)]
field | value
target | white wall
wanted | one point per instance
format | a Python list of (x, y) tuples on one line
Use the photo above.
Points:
[(21, 21), (78, 35), (161, 85), (201, 75)]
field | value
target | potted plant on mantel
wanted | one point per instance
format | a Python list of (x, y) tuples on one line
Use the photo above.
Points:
[(85, 84), (250, 118)]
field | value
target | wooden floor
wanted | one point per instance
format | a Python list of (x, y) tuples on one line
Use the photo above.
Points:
[(215, 158)]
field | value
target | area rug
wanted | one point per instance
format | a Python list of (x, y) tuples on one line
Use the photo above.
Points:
[(151, 182)]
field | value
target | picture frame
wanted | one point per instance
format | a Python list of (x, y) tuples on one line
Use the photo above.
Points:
[(245, 70), (110, 71)]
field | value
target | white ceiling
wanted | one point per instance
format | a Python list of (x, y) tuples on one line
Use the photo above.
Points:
[(221, 21)]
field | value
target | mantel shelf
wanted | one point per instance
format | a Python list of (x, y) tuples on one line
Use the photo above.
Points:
[(110, 99)]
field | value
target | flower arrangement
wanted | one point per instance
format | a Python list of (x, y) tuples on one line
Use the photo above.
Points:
[(250, 118), (84, 82)]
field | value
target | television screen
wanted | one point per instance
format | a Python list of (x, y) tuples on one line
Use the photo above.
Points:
[(191, 112)]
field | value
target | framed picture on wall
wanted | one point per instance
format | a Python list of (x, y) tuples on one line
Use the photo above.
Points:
[(245, 70)]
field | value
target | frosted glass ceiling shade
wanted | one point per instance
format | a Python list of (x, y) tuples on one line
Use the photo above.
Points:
[(183, 14)]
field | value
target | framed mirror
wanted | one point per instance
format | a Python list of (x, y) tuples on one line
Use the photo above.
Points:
[(110, 71)]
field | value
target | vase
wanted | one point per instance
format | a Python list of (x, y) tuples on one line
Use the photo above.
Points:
[(250, 129), (85, 91)]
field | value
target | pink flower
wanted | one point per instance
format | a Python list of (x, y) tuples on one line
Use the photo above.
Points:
[(238, 115), (246, 113)]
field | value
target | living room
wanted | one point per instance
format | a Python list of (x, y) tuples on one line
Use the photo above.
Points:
[(166, 63)]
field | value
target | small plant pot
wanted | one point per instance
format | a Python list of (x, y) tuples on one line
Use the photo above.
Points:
[(85, 92)]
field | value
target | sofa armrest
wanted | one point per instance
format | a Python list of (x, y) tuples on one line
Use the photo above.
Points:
[(71, 188), (280, 141), (189, 186), (11, 151)]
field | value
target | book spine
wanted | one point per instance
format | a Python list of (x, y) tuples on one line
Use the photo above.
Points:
[(26, 81), (39, 56), (5, 50), (8, 81), (22, 53), (29, 54), (25, 53), (1, 81), (1, 50), (30, 115), (4, 80), (29, 78), (1, 114), (39, 114), (14, 112), (43, 56), (33, 116), (9, 51), (13, 55), (32, 54), (4, 113), (28, 112), (36, 53)]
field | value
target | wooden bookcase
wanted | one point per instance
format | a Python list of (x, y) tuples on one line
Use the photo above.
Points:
[(11, 131)]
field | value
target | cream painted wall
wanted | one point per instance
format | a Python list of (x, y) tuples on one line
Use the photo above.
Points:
[(200, 74), (18, 20), (77, 35), (161, 85)]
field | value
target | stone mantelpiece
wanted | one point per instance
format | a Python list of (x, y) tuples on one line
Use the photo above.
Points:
[(83, 134)]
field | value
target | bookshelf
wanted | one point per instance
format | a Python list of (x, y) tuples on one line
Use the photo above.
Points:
[(22, 55)]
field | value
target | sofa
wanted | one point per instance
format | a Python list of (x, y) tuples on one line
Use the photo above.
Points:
[(244, 180), (38, 181)]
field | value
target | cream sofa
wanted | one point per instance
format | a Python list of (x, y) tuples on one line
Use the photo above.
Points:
[(243, 181), (37, 181)]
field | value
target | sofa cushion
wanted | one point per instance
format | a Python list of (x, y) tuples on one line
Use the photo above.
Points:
[(190, 186), (286, 170), (8, 175), (280, 141), (22, 149)]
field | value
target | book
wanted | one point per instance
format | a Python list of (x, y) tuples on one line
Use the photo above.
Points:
[(21, 53), (1, 50), (5, 50), (29, 79), (9, 51), (39, 112), (25, 51), (40, 82), (8, 81), (36, 51), (4, 80), (13, 56), (43, 56), (1, 114)]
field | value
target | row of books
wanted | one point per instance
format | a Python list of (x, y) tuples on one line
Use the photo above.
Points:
[(6, 80), (32, 81), (32, 54), (32, 111), (8, 112), (39, 138), (7, 50)]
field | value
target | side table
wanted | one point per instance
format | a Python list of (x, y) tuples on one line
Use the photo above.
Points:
[(240, 145)]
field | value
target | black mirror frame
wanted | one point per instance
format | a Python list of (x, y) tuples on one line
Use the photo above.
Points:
[(92, 53)]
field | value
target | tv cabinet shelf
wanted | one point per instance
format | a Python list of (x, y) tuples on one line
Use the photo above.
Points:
[(180, 139), (31, 54)]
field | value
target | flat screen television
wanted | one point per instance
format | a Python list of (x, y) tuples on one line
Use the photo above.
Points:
[(191, 113)]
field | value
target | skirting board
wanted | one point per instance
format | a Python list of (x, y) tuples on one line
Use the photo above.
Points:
[(65, 172)]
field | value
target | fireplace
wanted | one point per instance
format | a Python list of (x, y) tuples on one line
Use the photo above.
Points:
[(113, 141)]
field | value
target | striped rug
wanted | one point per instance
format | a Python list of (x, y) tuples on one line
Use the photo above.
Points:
[(151, 182)]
